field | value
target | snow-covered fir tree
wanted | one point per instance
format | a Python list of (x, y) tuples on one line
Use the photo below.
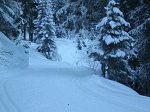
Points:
[(9, 12), (115, 43), (45, 31)]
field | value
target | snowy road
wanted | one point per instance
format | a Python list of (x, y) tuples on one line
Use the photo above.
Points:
[(60, 87), (66, 89)]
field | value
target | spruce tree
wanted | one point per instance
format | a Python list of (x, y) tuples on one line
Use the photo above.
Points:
[(45, 30), (115, 42)]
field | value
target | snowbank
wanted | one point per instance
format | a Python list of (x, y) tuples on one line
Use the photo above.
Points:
[(11, 56)]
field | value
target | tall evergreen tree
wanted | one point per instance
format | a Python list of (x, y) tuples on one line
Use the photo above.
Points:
[(115, 42), (29, 15), (137, 12), (45, 30), (9, 11)]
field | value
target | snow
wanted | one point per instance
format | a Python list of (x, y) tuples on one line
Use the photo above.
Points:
[(117, 11), (67, 49), (63, 9), (103, 22), (113, 24), (48, 86), (109, 39), (112, 2), (10, 11), (123, 22), (119, 53), (11, 56)]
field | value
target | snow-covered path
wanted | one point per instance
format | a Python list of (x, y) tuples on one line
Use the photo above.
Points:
[(67, 89), (60, 87)]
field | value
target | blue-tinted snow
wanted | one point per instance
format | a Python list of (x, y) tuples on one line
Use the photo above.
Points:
[(48, 86)]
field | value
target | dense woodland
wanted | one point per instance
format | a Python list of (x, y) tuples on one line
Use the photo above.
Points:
[(118, 31)]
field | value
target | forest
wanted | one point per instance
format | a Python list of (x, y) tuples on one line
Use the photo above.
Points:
[(111, 37)]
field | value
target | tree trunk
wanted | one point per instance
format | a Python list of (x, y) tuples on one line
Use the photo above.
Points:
[(103, 69), (24, 31), (31, 35)]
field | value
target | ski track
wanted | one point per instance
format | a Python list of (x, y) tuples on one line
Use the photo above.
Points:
[(81, 81), (5, 99)]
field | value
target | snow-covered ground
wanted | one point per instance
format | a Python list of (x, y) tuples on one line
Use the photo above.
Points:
[(61, 87), (70, 54)]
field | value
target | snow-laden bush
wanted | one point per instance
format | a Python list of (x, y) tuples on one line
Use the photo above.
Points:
[(85, 58)]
